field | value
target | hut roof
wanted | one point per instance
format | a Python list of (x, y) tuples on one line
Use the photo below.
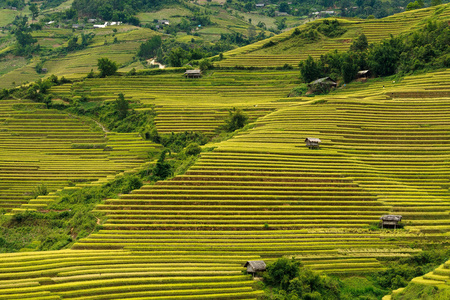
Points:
[(314, 140), (324, 80), (257, 265), (193, 72), (395, 218), (363, 72)]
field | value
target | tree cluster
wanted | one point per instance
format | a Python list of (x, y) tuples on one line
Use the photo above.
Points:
[(290, 280), (25, 41), (425, 48), (119, 10), (176, 54)]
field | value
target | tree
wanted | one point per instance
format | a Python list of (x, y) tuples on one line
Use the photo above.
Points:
[(204, 64), (384, 57), (360, 44), (34, 11), (284, 7), (162, 169), (436, 2), (149, 48), (413, 5), (349, 68), (236, 119), (177, 57), (281, 24), (310, 70), (122, 106), (281, 272), (106, 67)]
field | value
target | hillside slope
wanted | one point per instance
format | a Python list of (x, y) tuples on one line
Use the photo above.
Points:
[(291, 48)]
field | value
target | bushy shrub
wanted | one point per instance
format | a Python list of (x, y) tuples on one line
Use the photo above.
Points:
[(236, 120), (192, 149)]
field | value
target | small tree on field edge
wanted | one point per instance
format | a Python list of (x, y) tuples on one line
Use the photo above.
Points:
[(106, 67)]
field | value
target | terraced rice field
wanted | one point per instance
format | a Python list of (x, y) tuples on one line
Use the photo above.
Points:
[(193, 104), (263, 194), (41, 146), (293, 50), (77, 64)]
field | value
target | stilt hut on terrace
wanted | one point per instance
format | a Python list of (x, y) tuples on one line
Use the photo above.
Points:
[(312, 142), (390, 220), (193, 74), (254, 266), (322, 85)]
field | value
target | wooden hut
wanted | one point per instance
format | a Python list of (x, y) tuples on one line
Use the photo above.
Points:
[(312, 142), (322, 84), (390, 220), (254, 266), (364, 74), (193, 74)]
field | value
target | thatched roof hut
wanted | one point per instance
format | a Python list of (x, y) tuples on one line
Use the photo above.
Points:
[(254, 266), (322, 84), (193, 73), (390, 220), (312, 142)]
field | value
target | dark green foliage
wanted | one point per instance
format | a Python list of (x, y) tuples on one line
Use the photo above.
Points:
[(281, 23), (284, 7), (281, 272), (427, 48), (106, 67), (19, 4), (40, 190), (298, 90), (330, 29), (34, 11), (384, 58), (162, 169), (86, 39), (423, 292), (401, 271), (236, 120), (4, 93), (176, 142), (121, 10), (414, 5), (65, 221), (149, 48), (205, 64), (25, 41), (349, 68), (51, 3), (119, 121), (360, 44), (192, 149), (310, 69), (290, 280), (90, 74), (122, 106)]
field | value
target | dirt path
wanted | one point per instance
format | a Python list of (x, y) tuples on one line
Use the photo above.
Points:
[(153, 62)]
